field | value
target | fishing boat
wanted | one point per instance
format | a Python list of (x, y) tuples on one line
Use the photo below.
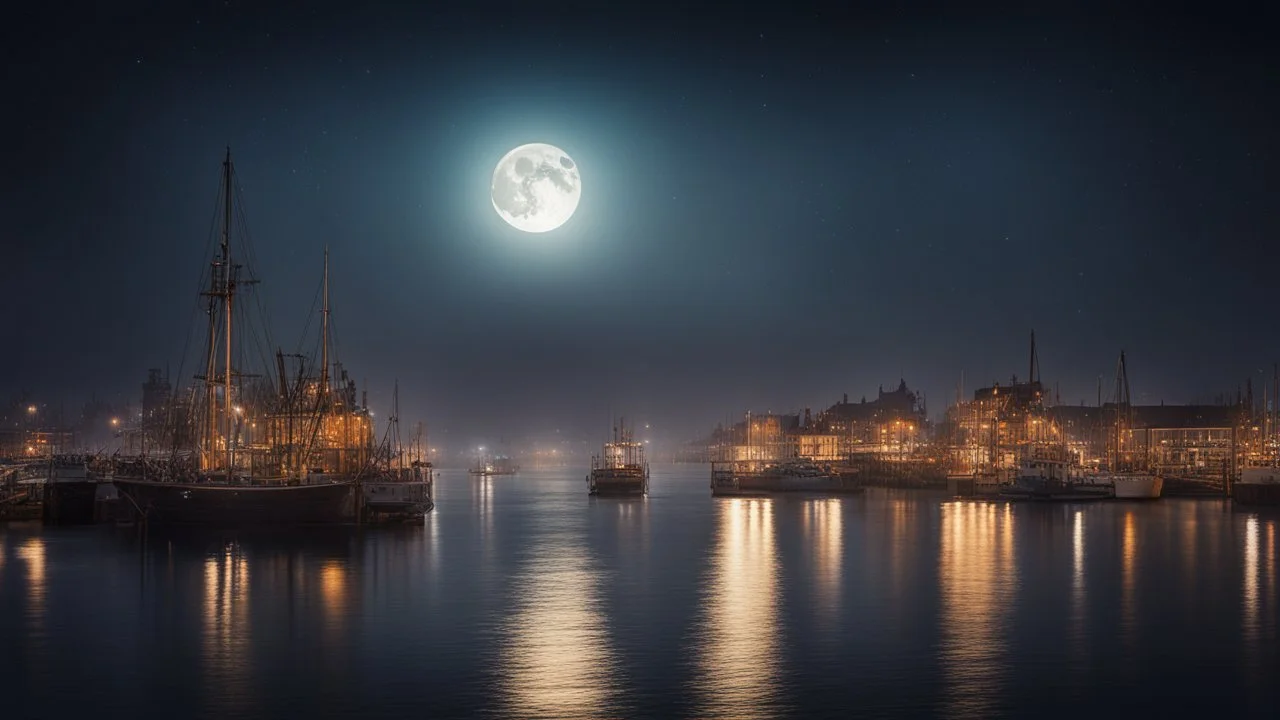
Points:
[(253, 449), (398, 490), (1047, 472), (621, 468)]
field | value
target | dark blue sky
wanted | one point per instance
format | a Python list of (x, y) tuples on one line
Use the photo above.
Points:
[(780, 204)]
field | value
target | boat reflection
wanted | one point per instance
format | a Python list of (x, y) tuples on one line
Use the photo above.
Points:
[(978, 579), (1128, 555), (557, 661), (1250, 620), (226, 639), (823, 523), (739, 644)]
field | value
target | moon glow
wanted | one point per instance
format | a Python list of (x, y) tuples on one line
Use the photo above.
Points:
[(536, 188)]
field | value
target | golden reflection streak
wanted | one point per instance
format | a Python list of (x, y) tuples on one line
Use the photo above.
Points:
[(978, 581), (32, 552), (1188, 532), (739, 644), (1128, 552), (1270, 565), (898, 527), (557, 662), (226, 624), (482, 499), (1250, 620), (333, 591), (823, 521), (1078, 590)]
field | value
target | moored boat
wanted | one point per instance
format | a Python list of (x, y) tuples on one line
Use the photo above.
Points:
[(1047, 473), (399, 489), (69, 496), (272, 447), (739, 478), (1137, 486), (213, 501), (1129, 448), (1257, 486)]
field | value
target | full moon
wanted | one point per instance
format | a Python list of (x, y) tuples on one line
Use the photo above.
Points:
[(536, 188)]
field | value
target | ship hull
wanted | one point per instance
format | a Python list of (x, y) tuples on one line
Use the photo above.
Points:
[(1256, 494), (755, 485), (70, 502), (1138, 487), (230, 505), (397, 502), (617, 484), (1050, 490)]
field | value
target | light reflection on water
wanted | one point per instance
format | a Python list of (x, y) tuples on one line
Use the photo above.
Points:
[(739, 649), (824, 527), (1128, 584), (227, 638), (556, 658), (526, 598), (978, 580)]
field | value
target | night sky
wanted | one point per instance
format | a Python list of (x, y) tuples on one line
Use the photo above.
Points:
[(781, 204)]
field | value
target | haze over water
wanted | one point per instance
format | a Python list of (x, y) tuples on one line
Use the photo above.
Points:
[(523, 597)]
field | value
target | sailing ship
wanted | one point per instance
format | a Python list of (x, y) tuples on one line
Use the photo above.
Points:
[(621, 469), (1129, 467), (252, 450)]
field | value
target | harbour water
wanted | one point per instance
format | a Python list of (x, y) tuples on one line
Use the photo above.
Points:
[(522, 597)]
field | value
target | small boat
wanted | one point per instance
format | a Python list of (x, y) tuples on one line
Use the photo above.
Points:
[(1047, 472), (738, 478), (399, 489), (621, 469), (500, 465), (70, 491), (1257, 486)]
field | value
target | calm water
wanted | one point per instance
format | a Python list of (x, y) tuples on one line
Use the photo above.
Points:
[(522, 597)]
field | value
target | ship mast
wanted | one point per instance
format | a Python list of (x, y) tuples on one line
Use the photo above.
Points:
[(324, 330), (228, 289)]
